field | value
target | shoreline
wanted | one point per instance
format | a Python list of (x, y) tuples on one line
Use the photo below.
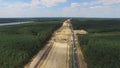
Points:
[(14, 23)]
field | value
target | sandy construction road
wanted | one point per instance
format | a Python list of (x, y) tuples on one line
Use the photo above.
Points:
[(56, 54), (57, 57)]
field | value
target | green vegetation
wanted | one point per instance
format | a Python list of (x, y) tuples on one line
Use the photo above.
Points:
[(71, 60), (97, 26), (19, 43), (9, 20), (101, 47)]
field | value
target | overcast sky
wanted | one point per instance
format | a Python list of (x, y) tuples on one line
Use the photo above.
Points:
[(60, 8)]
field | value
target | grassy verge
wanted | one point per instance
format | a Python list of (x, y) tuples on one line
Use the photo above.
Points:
[(71, 63)]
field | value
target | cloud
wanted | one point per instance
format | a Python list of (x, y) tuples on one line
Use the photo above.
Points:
[(46, 3), (33, 3), (108, 2), (97, 11), (74, 5), (49, 3), (103, 7), (33, 8), (92, 11), (102, 2)]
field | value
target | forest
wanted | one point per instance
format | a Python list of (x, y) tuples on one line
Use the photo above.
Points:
[(101, 46), (19, 43)]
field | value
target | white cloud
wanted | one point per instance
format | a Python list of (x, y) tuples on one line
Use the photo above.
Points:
[(49, 3), (74, 10), (103, 2), (99, 7), (34, 3), (108, 2), (98, 11), (100, 2), (46, 3), (74, 5), (95, 11)]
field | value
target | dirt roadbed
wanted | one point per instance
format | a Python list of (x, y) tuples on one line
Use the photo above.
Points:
[(57, 57), (55, 53)]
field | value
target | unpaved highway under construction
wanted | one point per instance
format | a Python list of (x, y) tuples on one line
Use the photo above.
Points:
[(56, 53)]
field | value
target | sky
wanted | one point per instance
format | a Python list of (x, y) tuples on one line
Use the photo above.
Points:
[(60, 8)]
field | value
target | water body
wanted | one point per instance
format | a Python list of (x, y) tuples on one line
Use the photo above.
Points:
[(14, 23)]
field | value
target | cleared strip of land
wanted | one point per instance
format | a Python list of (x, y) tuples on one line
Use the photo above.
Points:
[(55, 53), (57, 57)]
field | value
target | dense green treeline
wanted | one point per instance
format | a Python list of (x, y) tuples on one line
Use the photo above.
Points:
[(97, 26), (19, 43), (101, 47), (11, 20), (101, 50)]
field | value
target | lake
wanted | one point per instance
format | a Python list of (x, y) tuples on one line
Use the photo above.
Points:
[(14, 23)]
